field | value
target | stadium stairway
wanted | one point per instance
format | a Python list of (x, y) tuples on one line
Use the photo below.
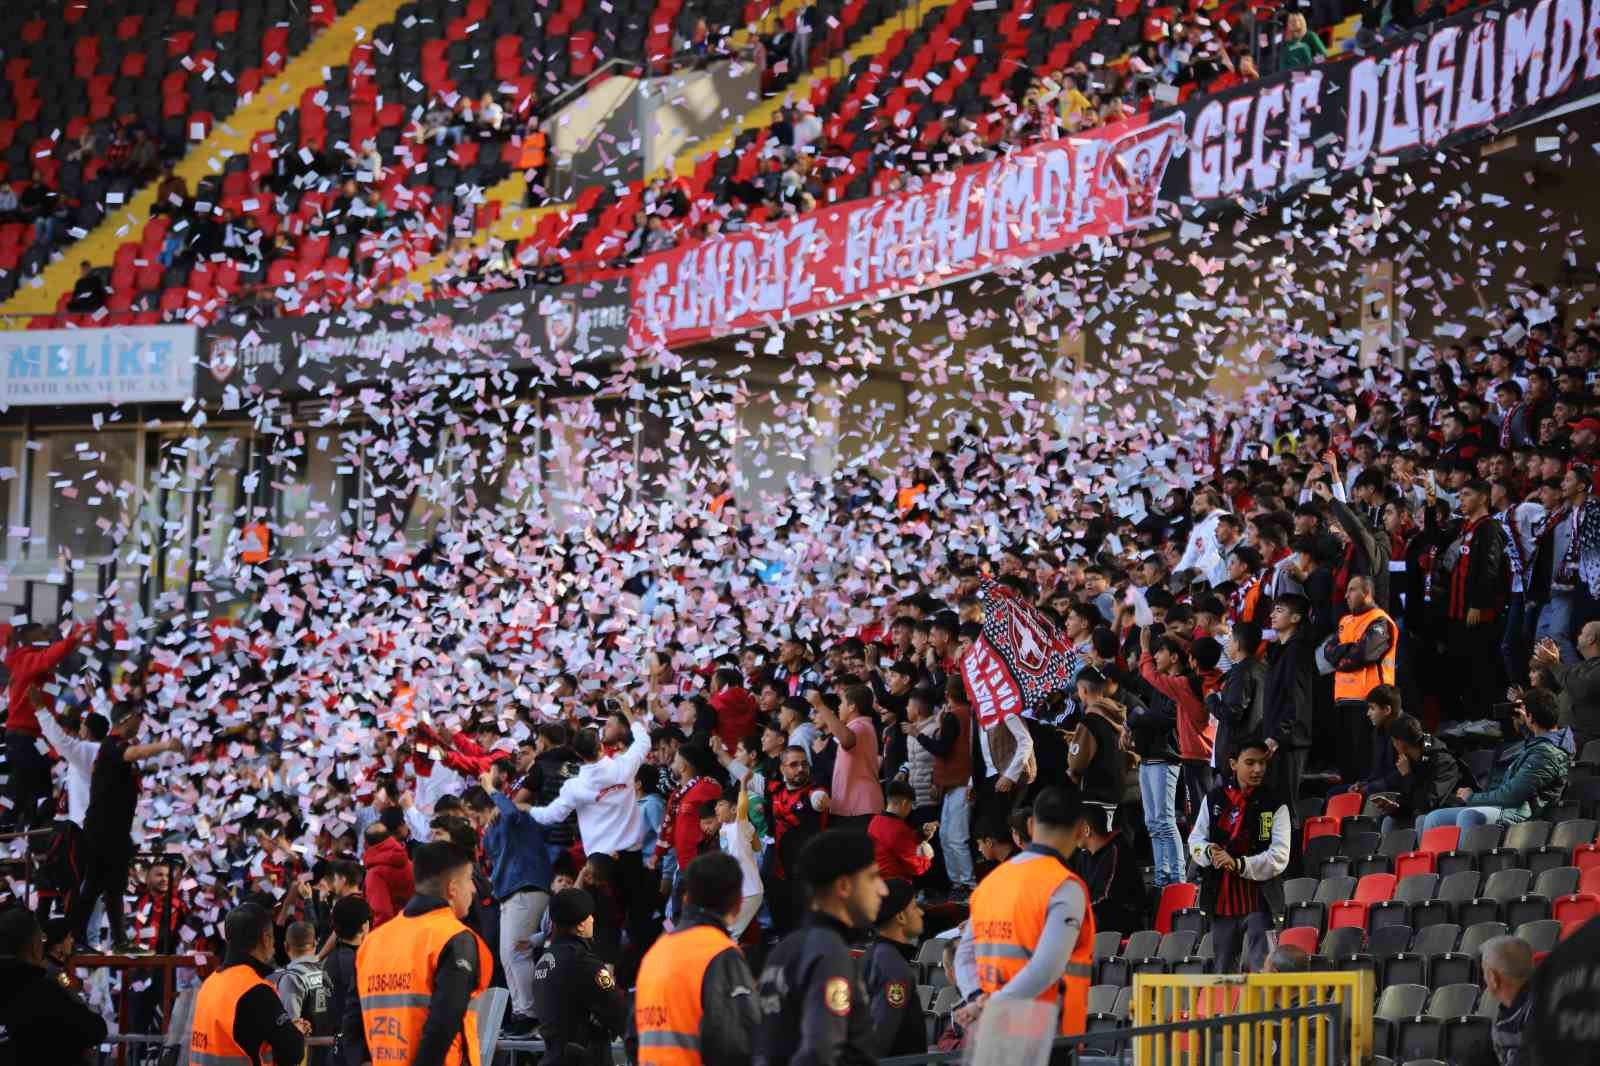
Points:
[(516, 222), (40, 295)]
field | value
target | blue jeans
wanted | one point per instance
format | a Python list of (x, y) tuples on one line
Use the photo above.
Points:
[(1556, 621), (1158, 790), (1463, 817), (954, 838)]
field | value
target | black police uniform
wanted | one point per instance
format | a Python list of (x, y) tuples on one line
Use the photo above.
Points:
[(814, 1008), (578, 1004), (898, 1026)]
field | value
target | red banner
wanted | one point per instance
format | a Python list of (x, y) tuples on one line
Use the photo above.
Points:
[(990, 686), (1018, 207)]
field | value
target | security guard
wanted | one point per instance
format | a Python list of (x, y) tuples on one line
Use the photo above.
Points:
[(814, 1009), (1031, 934), (898, 1025), (695, 1001), (575, 994), (238, 1018), (1361, 656), (417, 973)]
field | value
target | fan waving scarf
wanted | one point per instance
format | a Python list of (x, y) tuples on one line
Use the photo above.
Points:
[(1019, 660)]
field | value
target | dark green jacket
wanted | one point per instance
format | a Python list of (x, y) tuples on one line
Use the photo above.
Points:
[(1527, 779)]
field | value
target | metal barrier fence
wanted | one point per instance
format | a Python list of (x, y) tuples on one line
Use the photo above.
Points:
[(1164, 998), (1223, 1040)]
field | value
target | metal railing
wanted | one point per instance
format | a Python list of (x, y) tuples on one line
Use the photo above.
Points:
[(1264, 1037)]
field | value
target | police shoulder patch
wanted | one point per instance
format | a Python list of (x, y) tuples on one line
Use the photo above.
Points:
[(603, 978), (836, 995), (896, 993)]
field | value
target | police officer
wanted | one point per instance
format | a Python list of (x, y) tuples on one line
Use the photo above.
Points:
[(304, 988), (1031, 933), (575, 994), (417, 973), (898, 1026), (237, 1016), (814, 1009), (695, 1000)]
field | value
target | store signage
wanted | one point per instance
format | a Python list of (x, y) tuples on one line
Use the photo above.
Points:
[(130, 364)]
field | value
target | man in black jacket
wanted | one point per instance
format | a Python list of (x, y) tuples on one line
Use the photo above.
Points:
[(898, 1024), (729, 1014), (1473, 568), (1383, 710), (40, 1020), (814, 1010), (1240, 705), (575, 994), (553, 763), (352, 920), (1287, 706), (252, 1020), (1428, 773)]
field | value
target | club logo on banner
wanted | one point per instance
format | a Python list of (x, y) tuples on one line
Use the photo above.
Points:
[(1018, 661)]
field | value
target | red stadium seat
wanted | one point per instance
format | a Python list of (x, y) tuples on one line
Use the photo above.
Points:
[(1180, 896), (1320, 827)]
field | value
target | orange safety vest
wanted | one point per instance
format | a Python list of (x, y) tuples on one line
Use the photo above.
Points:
[(394, 977), (533, 151), (255, 543), (667, 1006), (211, 1040), (1355, 684), (1008, 911)]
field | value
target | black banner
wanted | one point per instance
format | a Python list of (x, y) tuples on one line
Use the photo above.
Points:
[(1455, 80), (559, 326)]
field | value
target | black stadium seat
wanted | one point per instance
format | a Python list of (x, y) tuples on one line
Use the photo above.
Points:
[(1461, 965), (1314, 911), (1498, 891), (1474, 842), (1535, 905), (1452, 891), (1423, 1036), (1395, 1002), (1409, 892)]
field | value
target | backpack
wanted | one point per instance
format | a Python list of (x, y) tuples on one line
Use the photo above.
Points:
[(1082, 746)]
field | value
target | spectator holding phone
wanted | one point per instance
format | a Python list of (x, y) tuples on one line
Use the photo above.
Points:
[(1427, 773)]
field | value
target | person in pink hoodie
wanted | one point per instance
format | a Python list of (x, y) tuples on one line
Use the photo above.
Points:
[(1164, 670), (736, 708), (389, 884)]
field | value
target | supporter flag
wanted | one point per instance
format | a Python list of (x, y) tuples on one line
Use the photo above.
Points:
[(1018, 661)]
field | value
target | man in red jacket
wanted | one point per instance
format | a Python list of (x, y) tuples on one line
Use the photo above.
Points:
[(900, 850), (31, 660), (389, 883), (736, 708)]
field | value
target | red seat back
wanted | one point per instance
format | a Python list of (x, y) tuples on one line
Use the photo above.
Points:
[(1174, 898)]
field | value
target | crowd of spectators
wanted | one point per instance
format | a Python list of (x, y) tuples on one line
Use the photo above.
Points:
[(1369, 573), (1191, 53)]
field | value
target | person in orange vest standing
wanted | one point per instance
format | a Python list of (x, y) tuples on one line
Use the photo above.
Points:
[(1031, 931), (1361, 656), (416, 974), (695, 999), (238, 1018)]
